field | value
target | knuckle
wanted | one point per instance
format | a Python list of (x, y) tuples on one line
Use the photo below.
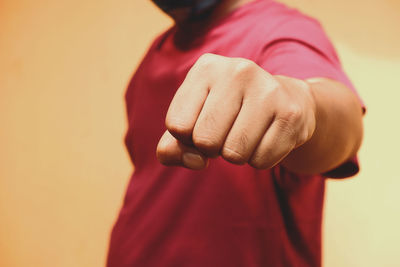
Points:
[(291, 116), (233, 155), (208, 145), (176, 128), (258, 162), (243, 68), (205, 61), (271, 90), (235, 149)]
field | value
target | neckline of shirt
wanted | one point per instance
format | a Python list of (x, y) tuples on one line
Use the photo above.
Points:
[(212, 30)]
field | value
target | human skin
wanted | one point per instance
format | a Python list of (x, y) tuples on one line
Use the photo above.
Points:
[(232, 108)]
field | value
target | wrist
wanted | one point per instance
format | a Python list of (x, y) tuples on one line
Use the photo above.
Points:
[(301, 93)]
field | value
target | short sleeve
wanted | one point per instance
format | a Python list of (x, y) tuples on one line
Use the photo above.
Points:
[(309, 55)]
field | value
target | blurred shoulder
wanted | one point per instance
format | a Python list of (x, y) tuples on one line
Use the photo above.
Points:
[(279, 22)]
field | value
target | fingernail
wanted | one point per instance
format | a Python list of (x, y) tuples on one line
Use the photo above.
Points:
[(193, 161)]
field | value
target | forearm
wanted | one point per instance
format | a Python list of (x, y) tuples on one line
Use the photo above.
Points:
[(338, 131), (233, 108)]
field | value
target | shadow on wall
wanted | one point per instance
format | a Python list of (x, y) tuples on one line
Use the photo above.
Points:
[(367, 26)]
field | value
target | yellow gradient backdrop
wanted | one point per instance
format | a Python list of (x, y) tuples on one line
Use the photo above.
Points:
[(64, 66)]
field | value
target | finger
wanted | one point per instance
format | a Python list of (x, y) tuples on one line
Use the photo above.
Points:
[(248, 129), (187, 103), (216, 119), (171, 152), (278, 141)]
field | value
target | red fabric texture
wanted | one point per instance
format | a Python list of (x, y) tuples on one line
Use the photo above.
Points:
[(226, 215)]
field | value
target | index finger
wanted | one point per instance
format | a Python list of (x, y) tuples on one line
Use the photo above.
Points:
[(187, 103)]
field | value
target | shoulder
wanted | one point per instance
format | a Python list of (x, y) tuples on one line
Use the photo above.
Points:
[(277, 14), (278, 22)]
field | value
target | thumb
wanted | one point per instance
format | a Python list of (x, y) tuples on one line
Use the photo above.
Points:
[(171, 152)]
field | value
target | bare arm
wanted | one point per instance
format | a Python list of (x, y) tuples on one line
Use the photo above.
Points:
[(338, 132)]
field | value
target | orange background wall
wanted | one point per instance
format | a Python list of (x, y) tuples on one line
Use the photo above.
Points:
[(64, 66)]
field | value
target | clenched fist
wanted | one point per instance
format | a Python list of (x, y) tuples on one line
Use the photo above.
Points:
[(232, 108)]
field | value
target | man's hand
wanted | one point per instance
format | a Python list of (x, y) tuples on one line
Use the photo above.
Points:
[(231, 107)]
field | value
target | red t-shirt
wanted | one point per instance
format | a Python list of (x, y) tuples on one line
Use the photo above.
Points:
[(225, 215)]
